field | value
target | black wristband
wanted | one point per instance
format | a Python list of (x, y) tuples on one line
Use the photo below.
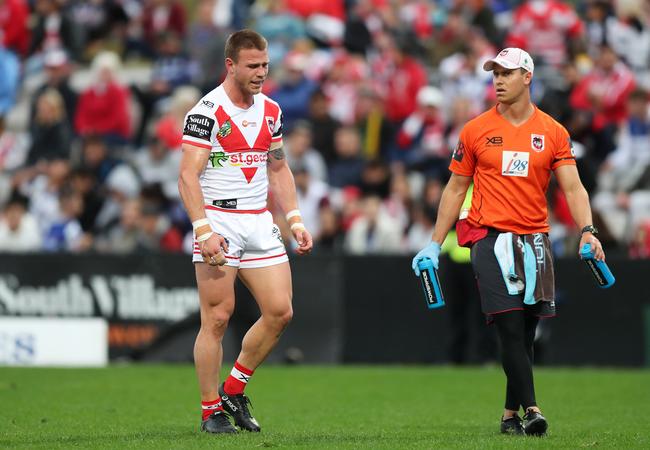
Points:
[(589, 228)]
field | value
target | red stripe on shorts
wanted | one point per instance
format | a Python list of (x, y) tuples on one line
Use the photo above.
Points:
[(266, 257)]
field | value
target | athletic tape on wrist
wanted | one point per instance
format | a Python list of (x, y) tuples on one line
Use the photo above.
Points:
[(204, 236), (200, 222), (298, 225), (293, 213)]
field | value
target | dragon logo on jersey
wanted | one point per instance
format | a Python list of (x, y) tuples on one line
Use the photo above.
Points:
[(537, 142), (216, 158), (225, 129), (270, 121)]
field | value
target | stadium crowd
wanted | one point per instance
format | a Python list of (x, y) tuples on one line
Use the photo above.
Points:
[(374, 93)]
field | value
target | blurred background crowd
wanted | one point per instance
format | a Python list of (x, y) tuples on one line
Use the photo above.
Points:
[(374, 93)]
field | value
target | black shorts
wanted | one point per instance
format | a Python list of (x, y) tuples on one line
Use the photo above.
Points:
[(494, 294)]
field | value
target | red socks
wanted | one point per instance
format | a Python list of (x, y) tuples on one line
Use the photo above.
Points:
[(208, 408), (236, 381)]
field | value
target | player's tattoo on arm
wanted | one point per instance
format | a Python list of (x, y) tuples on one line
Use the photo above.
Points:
[(277, 153)]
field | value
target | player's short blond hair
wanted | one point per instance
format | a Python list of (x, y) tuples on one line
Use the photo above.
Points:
[(244, 39)]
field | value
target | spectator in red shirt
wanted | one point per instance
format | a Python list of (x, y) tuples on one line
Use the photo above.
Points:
[(103, 108), (14, 32), (603, 93), (161, 16), (306, 8), (549, 30), (403, 79)]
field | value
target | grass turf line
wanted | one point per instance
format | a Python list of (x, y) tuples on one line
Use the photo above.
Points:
[(155, 406)]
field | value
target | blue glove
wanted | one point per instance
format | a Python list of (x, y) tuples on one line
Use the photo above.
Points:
[(431, 251)]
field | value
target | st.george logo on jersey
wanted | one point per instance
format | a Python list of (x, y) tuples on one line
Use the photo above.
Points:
[(537, 142), (514, 164)]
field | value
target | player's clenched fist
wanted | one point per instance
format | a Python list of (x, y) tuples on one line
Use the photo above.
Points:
[(213, 248), (303, 238)]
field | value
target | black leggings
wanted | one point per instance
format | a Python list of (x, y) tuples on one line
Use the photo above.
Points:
[(516, 331)]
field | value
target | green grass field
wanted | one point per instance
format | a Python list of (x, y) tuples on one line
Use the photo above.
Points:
[(320, 407)]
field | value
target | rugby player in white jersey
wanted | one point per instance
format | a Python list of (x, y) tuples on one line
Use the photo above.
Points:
[(232, 155)]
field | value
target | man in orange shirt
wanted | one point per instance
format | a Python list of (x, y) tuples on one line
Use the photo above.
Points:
[(509, 152)]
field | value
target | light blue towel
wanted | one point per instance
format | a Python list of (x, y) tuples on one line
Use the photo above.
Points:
[(505, 254)]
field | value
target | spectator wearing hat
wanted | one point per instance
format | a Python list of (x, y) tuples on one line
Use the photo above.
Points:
[(422, 135), (103, 107), (57, 76), (122, 184)]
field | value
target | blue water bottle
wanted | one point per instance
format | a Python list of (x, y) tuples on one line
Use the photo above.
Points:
[(599, 269), (430, 284)]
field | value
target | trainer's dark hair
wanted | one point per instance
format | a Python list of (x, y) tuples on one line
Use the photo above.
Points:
[(244, 39)]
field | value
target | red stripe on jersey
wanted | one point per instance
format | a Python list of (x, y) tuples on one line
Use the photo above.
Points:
[(234, 141), (265, 137), (208, 146), (237, 211)]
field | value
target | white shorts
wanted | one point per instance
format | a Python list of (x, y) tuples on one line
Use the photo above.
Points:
[(253, 239)]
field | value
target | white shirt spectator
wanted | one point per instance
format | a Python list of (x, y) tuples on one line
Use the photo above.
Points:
[(26, 238)]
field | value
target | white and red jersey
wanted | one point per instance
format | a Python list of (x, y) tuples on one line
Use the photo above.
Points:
[(239, 140), (542, 27)]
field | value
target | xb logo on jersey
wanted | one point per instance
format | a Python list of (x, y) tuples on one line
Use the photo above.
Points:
[(216, 158)]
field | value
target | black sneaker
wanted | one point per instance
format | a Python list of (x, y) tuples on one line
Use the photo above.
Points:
[(534, 423), (218, 422), (512, 425), (237, 407)]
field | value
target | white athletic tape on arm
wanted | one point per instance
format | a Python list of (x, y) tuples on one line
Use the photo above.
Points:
[(298, 225), (293, 213), (204, 236), (200, 222)]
